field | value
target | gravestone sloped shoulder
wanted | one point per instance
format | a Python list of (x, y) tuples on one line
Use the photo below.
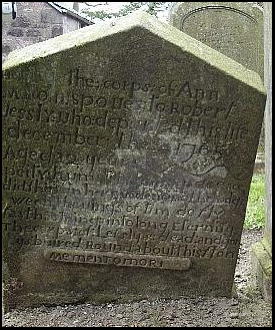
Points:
[(233, 28), (128, 152)]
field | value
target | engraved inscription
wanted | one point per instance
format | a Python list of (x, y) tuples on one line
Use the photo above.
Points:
[(117, 259), (152, 217)]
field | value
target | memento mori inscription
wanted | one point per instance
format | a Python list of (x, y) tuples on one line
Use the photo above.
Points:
[(125, 176), (233, 28)]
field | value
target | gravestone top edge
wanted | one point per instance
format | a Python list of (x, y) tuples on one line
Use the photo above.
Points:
[(254, 9), (140, 20)]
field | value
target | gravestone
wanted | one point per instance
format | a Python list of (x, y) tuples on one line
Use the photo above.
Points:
[(125, 177), (233, 28)]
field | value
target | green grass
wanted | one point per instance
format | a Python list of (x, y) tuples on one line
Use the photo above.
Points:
[(255, 212)]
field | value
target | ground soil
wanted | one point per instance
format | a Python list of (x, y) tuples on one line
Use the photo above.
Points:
[(246, 309)]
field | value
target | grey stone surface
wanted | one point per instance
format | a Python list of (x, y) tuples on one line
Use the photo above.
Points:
[(15, 32), (51, 16), (21, 21), (57, 31), (233, 28), (125, 177), (33, 33), (262, 267), (35, 22)]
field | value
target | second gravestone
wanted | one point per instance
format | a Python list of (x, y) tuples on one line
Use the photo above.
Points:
[(128, 151), (233, 28)]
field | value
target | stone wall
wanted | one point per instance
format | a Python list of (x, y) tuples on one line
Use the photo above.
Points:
[(35, 22)]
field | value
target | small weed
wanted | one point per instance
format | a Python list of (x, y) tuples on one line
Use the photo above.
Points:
[(255, 212)]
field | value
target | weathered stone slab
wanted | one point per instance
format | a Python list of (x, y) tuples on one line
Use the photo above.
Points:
[(126, 147), (233, 28)]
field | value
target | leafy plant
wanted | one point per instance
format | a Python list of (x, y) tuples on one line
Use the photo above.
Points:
[(255, 212)]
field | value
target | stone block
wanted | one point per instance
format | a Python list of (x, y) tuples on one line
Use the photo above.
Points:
[(21, 21), (233, 28), (128, 152), (33, 33), (240, 36), (51, 16), (57, 31), (262, 268), (15, 32)]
